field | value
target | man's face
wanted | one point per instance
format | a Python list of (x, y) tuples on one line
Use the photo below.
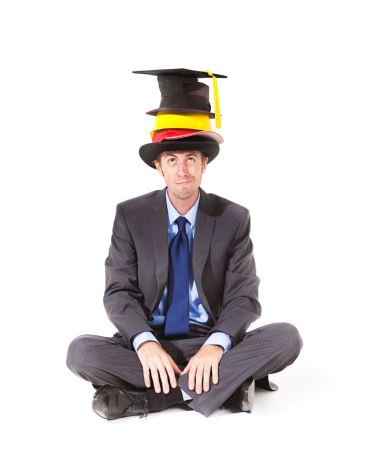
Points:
[(182, 171)]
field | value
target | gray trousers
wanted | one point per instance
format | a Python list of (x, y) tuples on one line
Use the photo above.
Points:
[(263, 351)]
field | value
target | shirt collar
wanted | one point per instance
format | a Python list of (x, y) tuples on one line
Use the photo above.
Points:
[(173, 214)]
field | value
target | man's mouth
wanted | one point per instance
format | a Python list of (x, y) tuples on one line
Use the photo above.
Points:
[(183, 183)]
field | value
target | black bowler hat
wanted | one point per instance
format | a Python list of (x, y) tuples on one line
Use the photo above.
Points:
[(150, 151)]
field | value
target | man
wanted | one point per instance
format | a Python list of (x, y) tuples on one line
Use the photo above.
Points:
[(181, 282)]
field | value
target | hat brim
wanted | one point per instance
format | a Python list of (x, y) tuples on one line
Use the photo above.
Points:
[(150, 151), (179, 110), (206, 134)]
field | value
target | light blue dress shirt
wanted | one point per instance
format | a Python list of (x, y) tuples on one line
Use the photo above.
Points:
[(197, 313)]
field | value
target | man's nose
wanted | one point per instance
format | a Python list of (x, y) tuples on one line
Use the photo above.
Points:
[(182, 169)]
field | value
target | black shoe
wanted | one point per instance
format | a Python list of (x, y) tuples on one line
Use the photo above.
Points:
[(266, 384), (247, 395), (242, 399), (112, 402)]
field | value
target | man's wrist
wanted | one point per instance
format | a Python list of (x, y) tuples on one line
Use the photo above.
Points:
[(219, 338), (143, 337)]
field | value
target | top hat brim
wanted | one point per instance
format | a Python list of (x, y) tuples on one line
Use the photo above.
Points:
[(170, 134), (179, 110), (150, 151)]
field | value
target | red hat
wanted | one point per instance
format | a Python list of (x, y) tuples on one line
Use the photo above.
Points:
[(168, 134), (181, 140)]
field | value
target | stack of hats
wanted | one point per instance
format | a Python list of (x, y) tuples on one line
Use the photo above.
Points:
[(183, 118)]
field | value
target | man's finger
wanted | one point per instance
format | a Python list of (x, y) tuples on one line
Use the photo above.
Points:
[(186, 369), (206, 378), (199, 380), (164, 380), (170, 371), (191, 377), (175, 367), (215, 373), (156, 380), (147, 379)]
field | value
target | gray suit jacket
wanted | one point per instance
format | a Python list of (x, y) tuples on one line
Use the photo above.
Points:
[(223, 264)]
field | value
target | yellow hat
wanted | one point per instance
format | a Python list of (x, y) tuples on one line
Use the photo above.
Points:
[(168, 120)]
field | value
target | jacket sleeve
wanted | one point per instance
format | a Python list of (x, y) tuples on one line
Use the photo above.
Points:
[(123, 299), (240, 305)]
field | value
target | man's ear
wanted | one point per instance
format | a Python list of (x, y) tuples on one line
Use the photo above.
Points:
[(158, 167), (205, 162)]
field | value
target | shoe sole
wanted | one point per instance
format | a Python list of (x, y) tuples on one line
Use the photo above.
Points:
[(247, 395)]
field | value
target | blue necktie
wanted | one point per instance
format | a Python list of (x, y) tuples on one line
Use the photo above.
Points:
[(177, 316)]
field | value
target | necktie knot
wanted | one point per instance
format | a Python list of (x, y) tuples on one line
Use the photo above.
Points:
[(181, 221)]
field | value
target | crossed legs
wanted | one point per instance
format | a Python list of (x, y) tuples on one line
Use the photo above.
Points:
[(263, 351)]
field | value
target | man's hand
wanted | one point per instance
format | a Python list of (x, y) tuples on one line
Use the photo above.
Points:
[(160, 364), (200, 366)]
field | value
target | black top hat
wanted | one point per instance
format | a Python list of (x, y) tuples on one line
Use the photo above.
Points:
[(181, 91)]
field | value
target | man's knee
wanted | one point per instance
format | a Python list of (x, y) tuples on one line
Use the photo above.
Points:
[(281, 338), (289, 339), (76, 358)]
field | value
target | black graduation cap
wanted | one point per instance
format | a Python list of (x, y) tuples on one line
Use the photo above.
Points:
[(182, 92), (181, 72)]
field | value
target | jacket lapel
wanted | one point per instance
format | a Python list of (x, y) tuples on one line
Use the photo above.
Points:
[(203, 235), (158, 221)]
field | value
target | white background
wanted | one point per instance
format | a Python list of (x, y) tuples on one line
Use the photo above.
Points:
[(298, 127)]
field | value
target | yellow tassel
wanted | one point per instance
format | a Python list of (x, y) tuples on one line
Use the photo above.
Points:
[(216, 99)]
